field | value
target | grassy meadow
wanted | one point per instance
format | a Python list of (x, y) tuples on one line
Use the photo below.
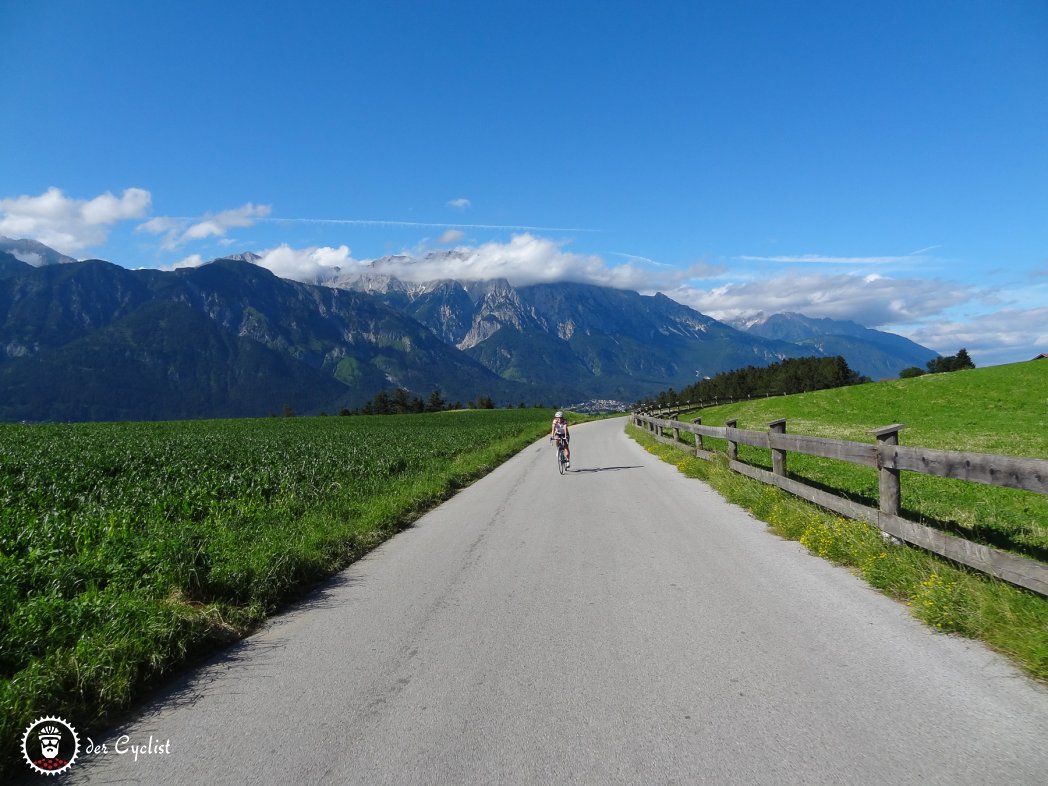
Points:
[(1001, 409), (126, 549)]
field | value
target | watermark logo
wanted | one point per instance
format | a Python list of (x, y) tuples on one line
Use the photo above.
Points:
[(50, 745)]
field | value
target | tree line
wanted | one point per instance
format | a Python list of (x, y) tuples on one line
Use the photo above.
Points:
[(793, 375), (956, 362), (401, 402)]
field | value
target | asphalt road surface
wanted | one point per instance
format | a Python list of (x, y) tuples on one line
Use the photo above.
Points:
[(619, 624)]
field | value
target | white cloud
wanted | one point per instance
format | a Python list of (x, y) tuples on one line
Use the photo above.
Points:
[(193, 260), (33, 258), (528, 259), (310, 265), (460, 204), (70, 225), (871, 300), (177, 230), (159, 225), (452, 236), (217, 225), (525, 259), (999, 337)]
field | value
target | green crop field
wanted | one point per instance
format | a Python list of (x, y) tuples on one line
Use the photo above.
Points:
[(128, 548), (1002, 409)]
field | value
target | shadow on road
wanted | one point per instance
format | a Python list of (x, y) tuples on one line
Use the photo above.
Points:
[(583, 470)]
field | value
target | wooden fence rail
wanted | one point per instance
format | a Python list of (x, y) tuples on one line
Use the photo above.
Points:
[(889, 458)]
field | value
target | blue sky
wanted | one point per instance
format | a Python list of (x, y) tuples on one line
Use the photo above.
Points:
[(880, 161)]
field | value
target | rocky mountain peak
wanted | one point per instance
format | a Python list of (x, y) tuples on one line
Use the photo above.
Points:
[(246, 256), (33, 253)]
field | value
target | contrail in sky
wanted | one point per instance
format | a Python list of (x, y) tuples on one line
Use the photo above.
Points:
[(388, 223), (923, 250), (647, 260)]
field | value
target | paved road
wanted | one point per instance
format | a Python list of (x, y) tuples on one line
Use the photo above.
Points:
[(620, 624)]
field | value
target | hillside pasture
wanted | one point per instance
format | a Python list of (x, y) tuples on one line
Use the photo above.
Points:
[(1002, 410)]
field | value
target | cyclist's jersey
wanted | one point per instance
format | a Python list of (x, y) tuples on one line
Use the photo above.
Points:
[(560, 429)]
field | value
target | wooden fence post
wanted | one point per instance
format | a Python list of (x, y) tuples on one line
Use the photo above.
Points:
[(698, 437), (890, 490), (733, 446), (778, 457)]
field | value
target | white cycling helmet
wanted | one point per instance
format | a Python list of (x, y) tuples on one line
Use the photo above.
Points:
[(559, 414)]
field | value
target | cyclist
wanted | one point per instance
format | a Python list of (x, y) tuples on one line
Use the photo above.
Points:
[(559, 431)]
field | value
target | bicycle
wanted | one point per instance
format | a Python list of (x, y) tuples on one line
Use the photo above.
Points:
[(562, 458)]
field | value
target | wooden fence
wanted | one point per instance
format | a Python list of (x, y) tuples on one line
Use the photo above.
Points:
[(673, 411), (890, 458)]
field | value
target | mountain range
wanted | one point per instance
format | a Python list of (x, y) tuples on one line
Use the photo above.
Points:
[(95, 341), (873, 353)]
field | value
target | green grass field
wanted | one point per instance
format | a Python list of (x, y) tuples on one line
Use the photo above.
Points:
[(1002, 409), (126, 549)]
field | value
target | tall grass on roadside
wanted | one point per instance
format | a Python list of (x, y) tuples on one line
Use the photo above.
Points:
[(950, 599), (128, 548)]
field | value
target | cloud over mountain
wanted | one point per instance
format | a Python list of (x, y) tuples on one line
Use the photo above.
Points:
[(308, 265), (524, 260), (70, 225), (871, 300)]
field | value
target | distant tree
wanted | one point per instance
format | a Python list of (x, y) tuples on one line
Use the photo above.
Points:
[(436, 402), (666, 398), (380, 405), (951, 363), (400, 403), (288, 411), (344, 412), (909, 373)]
